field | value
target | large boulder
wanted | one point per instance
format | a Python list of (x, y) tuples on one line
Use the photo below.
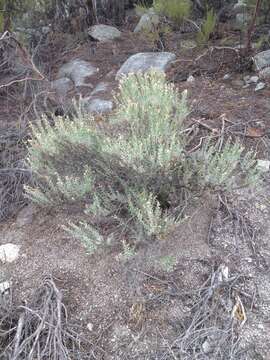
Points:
[(104, 33), (78, 71), (143, 62), (262, 60)]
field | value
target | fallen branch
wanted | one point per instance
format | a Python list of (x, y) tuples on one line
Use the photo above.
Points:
[(10, 41), (43, 331)]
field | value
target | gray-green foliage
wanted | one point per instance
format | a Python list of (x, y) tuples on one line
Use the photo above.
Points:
[(219, 169), (155, 114), (167, 263), (129, 174)]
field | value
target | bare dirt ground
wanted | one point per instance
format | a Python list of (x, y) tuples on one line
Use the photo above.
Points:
[(202, 293)]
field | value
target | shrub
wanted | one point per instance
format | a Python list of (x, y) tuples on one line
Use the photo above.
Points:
[(155, 114), (132, 173), (218, 169), (176, 10), (146, 210), (207, 28)]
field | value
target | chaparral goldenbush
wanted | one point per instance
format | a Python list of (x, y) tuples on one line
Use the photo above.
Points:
[(131, 175)]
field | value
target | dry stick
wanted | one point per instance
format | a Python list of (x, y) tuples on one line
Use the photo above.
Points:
[(18, 336), (251, 27), (25, 56)]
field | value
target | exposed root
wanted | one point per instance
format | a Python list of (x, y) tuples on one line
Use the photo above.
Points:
[(41, 330), (217, 318)]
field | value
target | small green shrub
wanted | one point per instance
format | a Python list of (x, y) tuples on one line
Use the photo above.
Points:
[(90, 237), (146, 210), (131, 174), (155, 114), (127, 253), (62, 189), (218, 169), (176, 10), (207, 28), (167, 263)]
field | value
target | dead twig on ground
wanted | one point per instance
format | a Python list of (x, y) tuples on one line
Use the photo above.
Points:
[(43, 330), (11, 45), (213, 327)]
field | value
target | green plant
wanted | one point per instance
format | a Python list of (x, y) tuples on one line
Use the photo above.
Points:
[(132, 174), (219, 169), (128, 252), (90, 237), (207, 28), (176, 10), (62, 189), (141, 8), (167, 263), (146, 210), (156, 35)]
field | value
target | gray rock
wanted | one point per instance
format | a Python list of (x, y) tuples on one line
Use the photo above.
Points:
[(260, 86), (251, 79), (78, 71), (4, 286), (254, 79), (207, 347), (191, 79), (241, 20), (90, 326), (9, 253), (143, 62), (62, 87), (239, 7), (100, 88), (45, 29), (104, 33), (227, 77), (147, 22), (265, 73), (262, 60), (263, 165), (97, 106)]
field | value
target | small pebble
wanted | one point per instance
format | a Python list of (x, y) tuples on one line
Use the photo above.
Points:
[(90, 326), (254, 79), (4, 286), (260, 86), (263, 165), (191, 79)]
